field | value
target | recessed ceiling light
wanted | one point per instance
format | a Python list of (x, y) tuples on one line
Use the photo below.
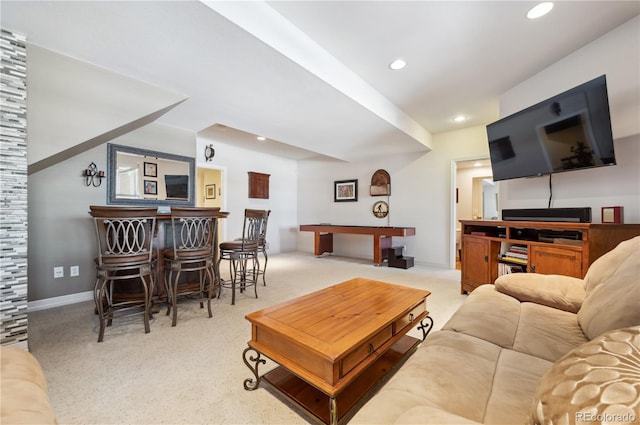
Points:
[(540, 10), (397, 64), (477, 164), (459, 118), (261, 138)]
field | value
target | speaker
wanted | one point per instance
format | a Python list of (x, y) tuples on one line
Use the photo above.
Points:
[(575, 215)]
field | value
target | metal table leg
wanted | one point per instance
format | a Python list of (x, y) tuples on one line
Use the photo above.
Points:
[(250, 384)]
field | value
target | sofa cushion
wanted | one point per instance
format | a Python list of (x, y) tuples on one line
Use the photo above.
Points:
[(419, 414), (488, 315), (613, 291), (515, 381), (605, 266), (597, 381), (454, 378), (530, 328), (450, 371), (546, 332), (557, 291)]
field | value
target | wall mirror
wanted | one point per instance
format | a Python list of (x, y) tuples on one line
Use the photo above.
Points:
[(144, 177)]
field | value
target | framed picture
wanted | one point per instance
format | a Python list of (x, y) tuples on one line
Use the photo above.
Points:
[(150, 187), (150, 170), (210, 191), (345, 191)]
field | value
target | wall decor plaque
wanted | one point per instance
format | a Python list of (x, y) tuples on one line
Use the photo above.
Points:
[(380, 184)]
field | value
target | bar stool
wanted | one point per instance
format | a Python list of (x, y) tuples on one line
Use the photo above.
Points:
[(125, 258), (240, 253), (194, 239), (262, 247)]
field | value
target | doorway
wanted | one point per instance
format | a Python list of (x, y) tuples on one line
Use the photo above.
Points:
[(210, 192), (474, 196)]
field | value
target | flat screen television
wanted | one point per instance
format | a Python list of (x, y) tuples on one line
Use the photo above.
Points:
[(177, 186), (569, 131)]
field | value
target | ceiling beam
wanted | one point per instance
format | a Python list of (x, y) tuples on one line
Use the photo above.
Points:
[(264, 23)]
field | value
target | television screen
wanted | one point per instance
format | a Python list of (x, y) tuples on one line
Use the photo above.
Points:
[(566, 132), (177, 186)]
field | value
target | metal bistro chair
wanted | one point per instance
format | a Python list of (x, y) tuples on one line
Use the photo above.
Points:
[(262, 247), (194, 235), (125, 257), (242, 254)]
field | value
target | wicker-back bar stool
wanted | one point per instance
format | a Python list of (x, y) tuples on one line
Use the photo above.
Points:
[(242, 254), (125, 258), (262, 247), (194, 238)]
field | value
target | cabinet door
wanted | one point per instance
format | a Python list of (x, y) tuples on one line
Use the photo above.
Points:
[(552, 260), (258, 185), (477, 258)]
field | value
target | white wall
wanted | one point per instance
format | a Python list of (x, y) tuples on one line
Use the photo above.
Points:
[(237, 162), (421, 197), (617, 54)]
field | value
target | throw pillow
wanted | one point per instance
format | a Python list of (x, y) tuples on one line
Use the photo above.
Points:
[(561, 292), (598, 381)]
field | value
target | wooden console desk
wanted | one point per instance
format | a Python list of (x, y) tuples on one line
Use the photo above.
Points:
[(323, 239)]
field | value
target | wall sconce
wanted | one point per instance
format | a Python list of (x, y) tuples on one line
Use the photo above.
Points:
[(209, 153), (92, 175)]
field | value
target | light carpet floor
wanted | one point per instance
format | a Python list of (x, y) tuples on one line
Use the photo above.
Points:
[(193, 373)]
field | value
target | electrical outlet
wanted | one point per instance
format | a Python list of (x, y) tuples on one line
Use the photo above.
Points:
[(58, 272), (74, 271)]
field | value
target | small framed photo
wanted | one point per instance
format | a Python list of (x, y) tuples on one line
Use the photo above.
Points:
[(150, 169), (612, 215), (210, 191), (345, 191), (150, 187)]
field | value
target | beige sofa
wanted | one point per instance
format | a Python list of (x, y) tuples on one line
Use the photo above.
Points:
[(23, 396), (532, 348)]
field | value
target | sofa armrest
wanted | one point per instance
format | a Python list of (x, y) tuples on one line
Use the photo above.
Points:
[(24, 389), (557, 291)]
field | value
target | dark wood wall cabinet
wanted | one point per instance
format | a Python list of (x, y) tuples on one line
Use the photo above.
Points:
[(258, 185), (493, 248)]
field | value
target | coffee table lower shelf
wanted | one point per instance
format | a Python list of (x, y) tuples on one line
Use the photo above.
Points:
[(316, 404)]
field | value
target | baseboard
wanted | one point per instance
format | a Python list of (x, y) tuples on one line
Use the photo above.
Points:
[(59, 301)]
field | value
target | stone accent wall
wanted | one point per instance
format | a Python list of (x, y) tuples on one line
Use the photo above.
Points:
[(13, 188)]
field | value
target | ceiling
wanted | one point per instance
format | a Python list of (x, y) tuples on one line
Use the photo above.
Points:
[(312, 76)]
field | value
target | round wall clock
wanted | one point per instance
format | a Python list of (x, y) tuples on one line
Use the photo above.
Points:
[(380, 209)]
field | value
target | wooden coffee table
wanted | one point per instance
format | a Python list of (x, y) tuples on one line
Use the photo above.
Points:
[(335, 346)]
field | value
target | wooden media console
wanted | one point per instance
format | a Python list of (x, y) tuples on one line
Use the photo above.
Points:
[(491, 248)]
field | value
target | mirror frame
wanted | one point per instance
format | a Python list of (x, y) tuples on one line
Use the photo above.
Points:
[(112, 152)]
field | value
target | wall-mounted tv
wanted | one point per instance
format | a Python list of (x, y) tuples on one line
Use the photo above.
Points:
[(177, 186), (569, 131)]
